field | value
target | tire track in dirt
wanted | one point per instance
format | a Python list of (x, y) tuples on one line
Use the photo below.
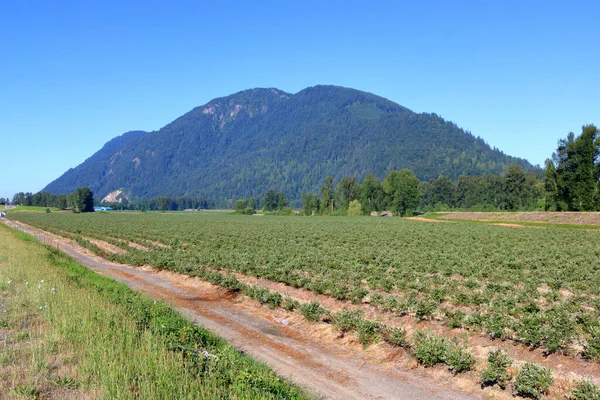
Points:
[(326, 371)]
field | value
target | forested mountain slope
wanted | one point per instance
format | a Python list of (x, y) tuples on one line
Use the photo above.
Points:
[(244, 144)]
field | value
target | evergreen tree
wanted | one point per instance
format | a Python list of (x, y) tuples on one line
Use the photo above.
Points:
[(83, 200), (402, 188), (327, 201), (371, 195), (577, 170), (270, 201), (347, 189)]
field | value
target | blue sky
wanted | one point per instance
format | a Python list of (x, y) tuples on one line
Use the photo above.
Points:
[(73, 75)]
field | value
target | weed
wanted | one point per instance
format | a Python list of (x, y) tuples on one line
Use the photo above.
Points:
[(65, 382), (26, 391)]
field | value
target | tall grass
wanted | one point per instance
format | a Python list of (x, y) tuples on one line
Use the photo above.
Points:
[(66, 328)]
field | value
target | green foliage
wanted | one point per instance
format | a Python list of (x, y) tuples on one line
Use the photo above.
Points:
[(592, 345), (347, 320), (312, 311), (571, 177), (585, 390), (355, 208), (459, 359), (264, 296), (83, 200), (395, 336), (496, 371), (493, 271), (429, 348), (533, 381), (403, 190)]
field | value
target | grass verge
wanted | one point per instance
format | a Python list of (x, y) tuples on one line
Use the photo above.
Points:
[(66, 332)]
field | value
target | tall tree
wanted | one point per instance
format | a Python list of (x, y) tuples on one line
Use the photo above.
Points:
[(371, 195), (270, 202), (347, 189), (83, 200), (327, 202), (577, 170), (403, 189), (551, 187)]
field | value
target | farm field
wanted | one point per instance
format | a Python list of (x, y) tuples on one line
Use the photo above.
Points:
[(68, 333), (533, 287)]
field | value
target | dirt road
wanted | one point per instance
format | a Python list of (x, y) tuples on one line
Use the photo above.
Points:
[(325, 370)]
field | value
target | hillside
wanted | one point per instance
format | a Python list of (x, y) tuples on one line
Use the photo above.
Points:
[(244, 144)]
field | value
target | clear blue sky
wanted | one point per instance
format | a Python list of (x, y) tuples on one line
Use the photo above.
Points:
[(73, 75)]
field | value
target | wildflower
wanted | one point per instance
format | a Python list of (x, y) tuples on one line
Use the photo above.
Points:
[(42, 281), (26, 283), (39, 286), (54, 289), (9, 281)]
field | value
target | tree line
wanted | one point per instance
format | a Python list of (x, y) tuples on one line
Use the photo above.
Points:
[(570, 182), (572, 175), (402, 193), (81, 200)]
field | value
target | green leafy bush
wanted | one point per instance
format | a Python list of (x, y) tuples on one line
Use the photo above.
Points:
[(455, 319), (347, 320), (592, 347), (312, 311), (368, 331), (459, 359), (496, 372), (533, 381), (585, 390), (394, 336), (429, 348)]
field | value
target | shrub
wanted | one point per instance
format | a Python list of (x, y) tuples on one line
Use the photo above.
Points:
[(354, 209), (530, 329), (533, 381), (592, 347), (264, 296), (459, 359), (559, 331), (429, 348), (495, 373), (455, 319), (368, 331), (496, 325), (585, 390), (425, 309), (312, 311), (290, 304), (347, 320), (394, 336)]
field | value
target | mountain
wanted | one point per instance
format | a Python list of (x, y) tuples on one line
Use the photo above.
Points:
[(244, 144)]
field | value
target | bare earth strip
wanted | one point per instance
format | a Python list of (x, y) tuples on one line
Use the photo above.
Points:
[(326, 369), (575, 218)]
